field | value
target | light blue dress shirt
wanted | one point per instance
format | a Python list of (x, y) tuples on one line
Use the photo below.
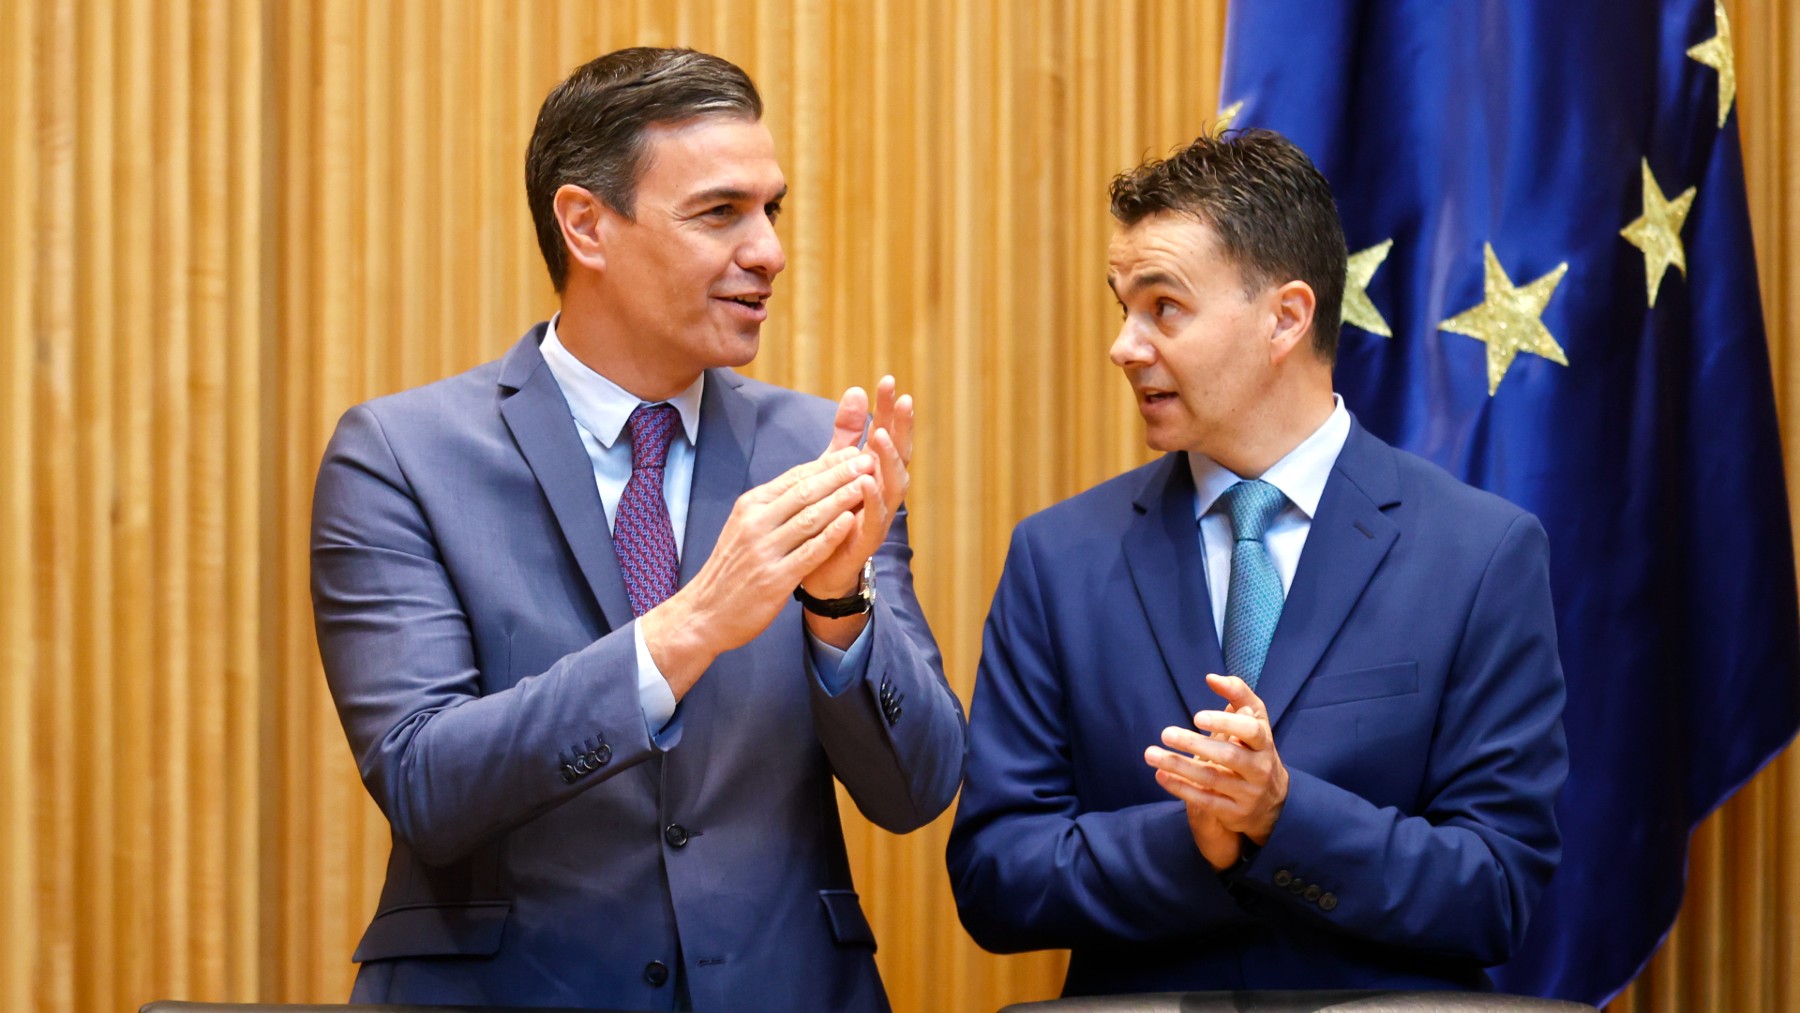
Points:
[(601, 409), (1301, 477)]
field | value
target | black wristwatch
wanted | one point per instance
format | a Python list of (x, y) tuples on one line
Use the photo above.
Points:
[(858, 602)]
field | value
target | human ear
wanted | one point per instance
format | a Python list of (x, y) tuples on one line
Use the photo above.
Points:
[(1294, 306), (580, 217)]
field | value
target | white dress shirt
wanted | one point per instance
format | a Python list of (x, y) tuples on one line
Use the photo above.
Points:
[(601, 409), (1300, 476)]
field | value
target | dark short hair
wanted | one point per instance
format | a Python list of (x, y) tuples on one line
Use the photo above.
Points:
[(1269, 206), (590, 130)]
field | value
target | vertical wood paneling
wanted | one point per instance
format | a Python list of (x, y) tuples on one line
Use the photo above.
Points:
[(246, 265), (222, 222), (96, 462), (19, 247), (53, 710)]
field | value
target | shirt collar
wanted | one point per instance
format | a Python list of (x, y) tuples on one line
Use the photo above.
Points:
[(1301, 475), (601, 406)]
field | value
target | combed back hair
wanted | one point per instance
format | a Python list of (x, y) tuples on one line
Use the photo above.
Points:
[(1269, 206), (590, 130)]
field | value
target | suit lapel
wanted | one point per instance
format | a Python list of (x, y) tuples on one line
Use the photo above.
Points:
[(538, 416), (1162, 551), (1350, 536), (721, 465)]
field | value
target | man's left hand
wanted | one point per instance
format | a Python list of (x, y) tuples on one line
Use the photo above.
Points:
[(890, 442), (1235, 773)]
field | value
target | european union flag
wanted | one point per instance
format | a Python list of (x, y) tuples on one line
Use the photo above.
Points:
[(1552, 294)]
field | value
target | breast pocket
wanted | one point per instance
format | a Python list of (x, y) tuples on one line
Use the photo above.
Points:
[(1361, 684)]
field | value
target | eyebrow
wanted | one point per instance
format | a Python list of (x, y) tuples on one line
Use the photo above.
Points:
[(1147, 280), (729, 195)]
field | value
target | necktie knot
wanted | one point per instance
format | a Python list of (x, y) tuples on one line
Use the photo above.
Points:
[(1253, 506), (652, 427)]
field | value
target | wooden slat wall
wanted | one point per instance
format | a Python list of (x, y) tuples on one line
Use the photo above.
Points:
[(224, 221)]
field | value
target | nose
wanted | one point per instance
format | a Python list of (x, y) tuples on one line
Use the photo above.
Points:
[(1131, 349), (761, 251)]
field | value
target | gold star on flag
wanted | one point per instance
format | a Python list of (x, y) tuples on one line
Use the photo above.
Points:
[(1358, 309), (1508, 319), (1657, 232), (1227, 116), (1716, 53)]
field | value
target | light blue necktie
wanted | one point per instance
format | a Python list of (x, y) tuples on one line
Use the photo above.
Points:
[(1253, 602)]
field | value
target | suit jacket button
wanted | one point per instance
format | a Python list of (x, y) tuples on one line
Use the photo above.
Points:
[(602, 755), (581, 764), (1328, 901), (1312, 892), (1297, 886), (568, 774), (656, 973), (1283, 877), (676, 835)]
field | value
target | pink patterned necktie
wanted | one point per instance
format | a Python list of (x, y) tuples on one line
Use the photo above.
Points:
[(642, 534)]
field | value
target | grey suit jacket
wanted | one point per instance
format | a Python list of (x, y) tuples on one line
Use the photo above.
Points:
[(477, 640)]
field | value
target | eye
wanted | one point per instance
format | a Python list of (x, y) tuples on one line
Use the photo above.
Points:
[(721, 211), (773, 210), (1165, 308)]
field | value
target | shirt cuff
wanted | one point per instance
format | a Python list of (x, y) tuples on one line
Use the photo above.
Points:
[(839, 670), (654, 695)]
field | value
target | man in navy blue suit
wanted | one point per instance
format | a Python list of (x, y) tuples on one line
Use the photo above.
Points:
[(556, 603), (1281, 709)]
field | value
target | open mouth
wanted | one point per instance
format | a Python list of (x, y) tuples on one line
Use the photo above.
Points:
[(1156, 396), (749, 302)]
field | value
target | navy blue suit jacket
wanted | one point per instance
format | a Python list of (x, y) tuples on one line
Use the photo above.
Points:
[(1416, 698), (478, 641)]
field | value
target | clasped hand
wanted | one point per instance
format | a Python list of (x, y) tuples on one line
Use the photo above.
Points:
[(814, 526), (1232, 779)]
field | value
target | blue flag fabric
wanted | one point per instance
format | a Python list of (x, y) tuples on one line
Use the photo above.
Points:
[(1565, 138)]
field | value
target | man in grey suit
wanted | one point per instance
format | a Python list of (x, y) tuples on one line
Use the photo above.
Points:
[(601, 621)]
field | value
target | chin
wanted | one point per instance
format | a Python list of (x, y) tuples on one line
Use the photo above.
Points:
[(740, 349), (1163, 438), (1162, 444)]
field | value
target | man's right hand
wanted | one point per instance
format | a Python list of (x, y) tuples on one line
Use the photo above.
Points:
[(1219, 846), (777, 533)]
